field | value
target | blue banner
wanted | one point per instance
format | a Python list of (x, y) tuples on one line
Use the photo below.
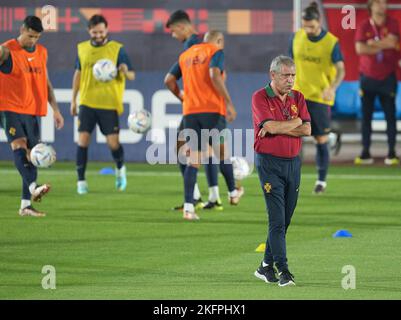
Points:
[(147, 92)]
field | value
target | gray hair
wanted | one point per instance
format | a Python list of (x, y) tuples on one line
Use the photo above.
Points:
[(277, 62)]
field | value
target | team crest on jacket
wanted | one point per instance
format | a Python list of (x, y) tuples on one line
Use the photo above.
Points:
[(267, 187), (294, 109), (12, 131)]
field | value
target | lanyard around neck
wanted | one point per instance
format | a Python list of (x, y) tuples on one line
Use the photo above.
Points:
[(375, 30)]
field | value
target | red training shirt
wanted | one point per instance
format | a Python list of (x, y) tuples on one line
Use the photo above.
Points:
[(267, 106), (368, 64)]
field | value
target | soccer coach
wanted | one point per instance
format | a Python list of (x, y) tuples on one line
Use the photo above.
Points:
[(280, 119)]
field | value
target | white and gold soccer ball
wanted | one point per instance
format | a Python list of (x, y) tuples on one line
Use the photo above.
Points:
[(104, 70), (241, 168), (43, 155), (140, 121)]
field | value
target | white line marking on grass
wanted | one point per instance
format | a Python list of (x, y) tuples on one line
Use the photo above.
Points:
[(355, 177), (177, 174)]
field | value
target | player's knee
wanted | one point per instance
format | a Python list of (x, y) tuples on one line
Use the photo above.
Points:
[(195, 165), (113, 145), (181, 150), (180, 143), (19, 143), (322, 139), (221, 152), (194, 158), (84, 139)]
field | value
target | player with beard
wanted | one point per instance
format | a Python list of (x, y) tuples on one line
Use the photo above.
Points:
[(100, 102)]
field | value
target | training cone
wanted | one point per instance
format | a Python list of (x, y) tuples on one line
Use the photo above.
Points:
[(342, 234), (106, 171), (261, 247)]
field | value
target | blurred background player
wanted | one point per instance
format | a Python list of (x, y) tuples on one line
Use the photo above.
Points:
[(206, 106), (320, 70), (25, 90), (183, 30), (99, 102), (377, 44)]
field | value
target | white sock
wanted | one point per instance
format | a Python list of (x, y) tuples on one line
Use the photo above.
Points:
[(32, 187), (197, 194), (322, 183), (82, 183), (25, 203), (214, 194), (233, 193), (189, 207), (121, 172)]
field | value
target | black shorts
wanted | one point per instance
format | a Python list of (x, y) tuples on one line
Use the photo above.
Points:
[(203, 129), (21, 126), (106, 119), (320, 118)]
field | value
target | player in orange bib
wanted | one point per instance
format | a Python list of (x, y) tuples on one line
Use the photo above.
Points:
[(25, 90), (206, 106)]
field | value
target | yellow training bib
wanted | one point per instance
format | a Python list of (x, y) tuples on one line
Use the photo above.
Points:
[(315, 70), (94, 93)]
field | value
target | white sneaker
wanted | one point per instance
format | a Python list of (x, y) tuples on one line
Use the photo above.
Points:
[(30, 211), (191, 216), (234, 200), (40, 191)]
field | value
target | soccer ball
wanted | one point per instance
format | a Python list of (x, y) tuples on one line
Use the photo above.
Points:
[(43, 155), (241, 167), (104, 70), (140, 121)]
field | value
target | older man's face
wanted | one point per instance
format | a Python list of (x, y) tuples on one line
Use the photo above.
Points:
[(284, 80)]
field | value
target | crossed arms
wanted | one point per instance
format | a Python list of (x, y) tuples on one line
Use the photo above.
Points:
[(372, 47), (294, 128)]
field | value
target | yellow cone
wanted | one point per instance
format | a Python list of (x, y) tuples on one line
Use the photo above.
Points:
[(261, 247)]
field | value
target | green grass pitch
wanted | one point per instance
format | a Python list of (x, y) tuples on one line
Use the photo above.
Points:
[(130, 245)]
